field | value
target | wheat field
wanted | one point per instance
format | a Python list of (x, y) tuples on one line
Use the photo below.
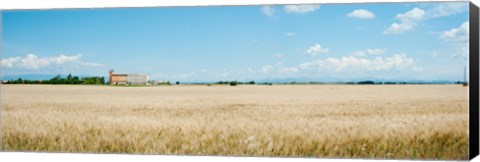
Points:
[(326, 121)]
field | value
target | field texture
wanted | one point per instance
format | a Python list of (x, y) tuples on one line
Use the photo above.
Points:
[(333, 121)]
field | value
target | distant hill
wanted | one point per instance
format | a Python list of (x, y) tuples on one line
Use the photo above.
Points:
[(338, 80)]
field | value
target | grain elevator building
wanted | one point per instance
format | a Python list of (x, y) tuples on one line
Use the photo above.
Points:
[(128, 78)]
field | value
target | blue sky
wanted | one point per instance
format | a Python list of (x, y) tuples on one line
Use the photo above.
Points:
[(425, 41)]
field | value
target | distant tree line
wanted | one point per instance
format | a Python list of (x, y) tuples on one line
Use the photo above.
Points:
[(370, 82), (234, 83), (231, 83), (389, 82), (402, 82), (69, 79), (365, 82)]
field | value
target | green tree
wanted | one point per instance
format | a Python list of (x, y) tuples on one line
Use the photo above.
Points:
[(76, 80), (56, 79), (366, 82), (69, 79)]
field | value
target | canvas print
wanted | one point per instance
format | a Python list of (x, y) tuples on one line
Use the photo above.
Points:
[(360, 80)]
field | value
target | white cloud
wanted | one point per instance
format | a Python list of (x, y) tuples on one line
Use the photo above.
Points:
[(10, 62), (279, 63), (290, 34), (188, 75), (397, 28), (459, 34), (361, 14), (408, 20), (352, 62), (266, 69), (63, 59), (462, 52), (447, 9), (267, 10), (89, 64), (225, 72), (288, 70), (278, 55), (375, 51), (33, 62), (411, 18), (415, 14), (247, 71), (316, 49), (417, 69), (300, 9)]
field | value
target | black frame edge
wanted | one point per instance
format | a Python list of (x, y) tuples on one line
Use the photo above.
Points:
[(474, 82)]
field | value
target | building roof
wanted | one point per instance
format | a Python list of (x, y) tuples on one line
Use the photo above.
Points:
[(119, 74)]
